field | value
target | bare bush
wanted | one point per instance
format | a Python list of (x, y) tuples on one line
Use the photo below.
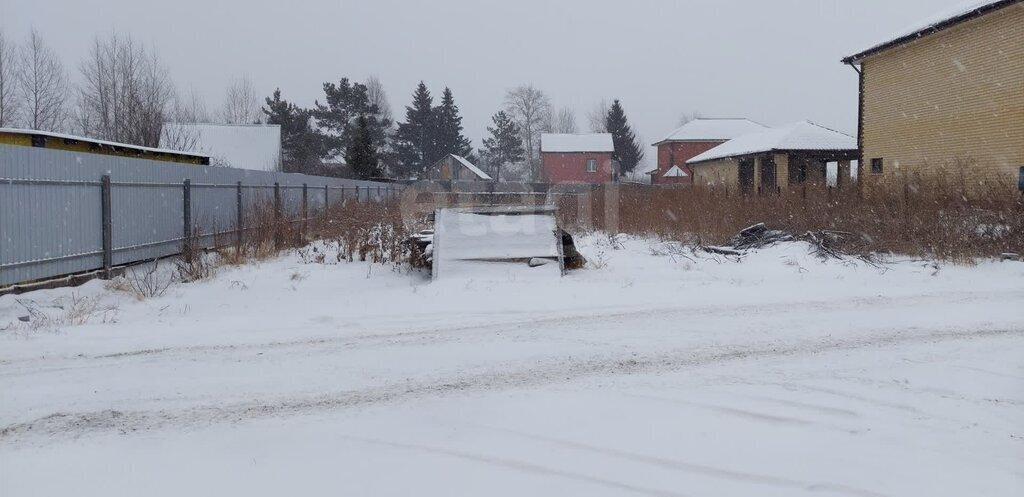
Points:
[(371, 232), (71, 310), (143, 282)]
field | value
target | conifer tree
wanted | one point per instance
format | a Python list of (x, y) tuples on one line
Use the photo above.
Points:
[(628, 151), (448, 124), (361, 153), (504, 146), (344, 103), (301, 145), (416, 138)]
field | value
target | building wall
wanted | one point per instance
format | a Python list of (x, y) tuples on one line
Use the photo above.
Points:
[(718, 174), (951, 100), (678, 153), (725, 172), (572, 167)]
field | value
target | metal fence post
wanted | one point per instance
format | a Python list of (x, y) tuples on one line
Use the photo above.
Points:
[(107, 226), (357, 194), (327, 199), (277, 216), (378, 193), (305, 210), (238, 216), (186, 245)]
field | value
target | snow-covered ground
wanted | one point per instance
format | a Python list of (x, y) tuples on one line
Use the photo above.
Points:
[(646, 374)]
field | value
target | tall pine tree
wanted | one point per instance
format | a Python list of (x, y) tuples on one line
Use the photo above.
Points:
[(417, 137), (628, 151), (361, 153), (301, 145), (449, 128), (504, 146), (345, 103)]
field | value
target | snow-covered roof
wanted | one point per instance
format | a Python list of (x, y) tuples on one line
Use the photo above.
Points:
[(101, 142), (675, 172), (469, 165), (594, 142), (934, 23), (803, 135), (244, 146), (705, 129)]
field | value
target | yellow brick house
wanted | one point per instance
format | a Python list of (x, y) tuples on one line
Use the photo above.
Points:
[(946, 98)]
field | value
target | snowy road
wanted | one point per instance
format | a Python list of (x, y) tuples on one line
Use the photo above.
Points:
[(651, 376)]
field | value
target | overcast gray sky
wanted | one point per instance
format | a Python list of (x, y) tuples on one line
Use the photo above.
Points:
[(772, 61)]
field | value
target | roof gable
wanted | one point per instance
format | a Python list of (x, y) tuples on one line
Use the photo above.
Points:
[(803, 135), (935, 23), (712, 129), (675, 172), (472, 168), (560, 142)]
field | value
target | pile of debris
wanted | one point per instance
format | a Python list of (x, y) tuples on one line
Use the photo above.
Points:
[(758, 236), (421, 248), (827, 244)]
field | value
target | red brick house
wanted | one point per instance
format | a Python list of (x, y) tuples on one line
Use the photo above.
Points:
[(692, 139), (577, 158)]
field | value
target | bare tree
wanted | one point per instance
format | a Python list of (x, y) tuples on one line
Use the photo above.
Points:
[(379, 97), (9, 103), (181, 133), (564, 121), (125, 94), (241, 103), (597, 117), (685, 117), (530, 108), (43, 86)]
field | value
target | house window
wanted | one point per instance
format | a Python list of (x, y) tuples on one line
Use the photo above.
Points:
[(591, 165), (876, 166), (1020, 179)]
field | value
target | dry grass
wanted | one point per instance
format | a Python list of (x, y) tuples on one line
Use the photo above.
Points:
[(372, 232), (71, 310), (367, 231), (939, 219)]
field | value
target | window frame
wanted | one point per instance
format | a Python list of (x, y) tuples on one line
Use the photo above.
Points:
[(878, 165), (588, 163)]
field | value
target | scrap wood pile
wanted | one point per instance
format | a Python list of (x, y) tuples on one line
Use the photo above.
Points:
[(824, 243), (421, 248)]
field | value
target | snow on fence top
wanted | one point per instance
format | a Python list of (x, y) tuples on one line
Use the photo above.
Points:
[(703, 129), (594, 142), (243, 146), (937, 22), (803, 135), (469, 165)]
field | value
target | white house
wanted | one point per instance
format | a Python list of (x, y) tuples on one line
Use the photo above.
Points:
[(243, 146)]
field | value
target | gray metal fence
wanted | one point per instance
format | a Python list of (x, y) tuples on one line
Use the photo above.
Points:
[(65, 212)]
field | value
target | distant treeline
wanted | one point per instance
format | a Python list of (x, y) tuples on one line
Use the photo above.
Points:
[(125, 94)]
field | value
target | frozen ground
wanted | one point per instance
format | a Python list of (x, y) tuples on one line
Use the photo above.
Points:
[(650, 374)]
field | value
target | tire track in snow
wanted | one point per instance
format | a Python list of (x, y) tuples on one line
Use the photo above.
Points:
[(723, 473), (567, 371), (446, 334)]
